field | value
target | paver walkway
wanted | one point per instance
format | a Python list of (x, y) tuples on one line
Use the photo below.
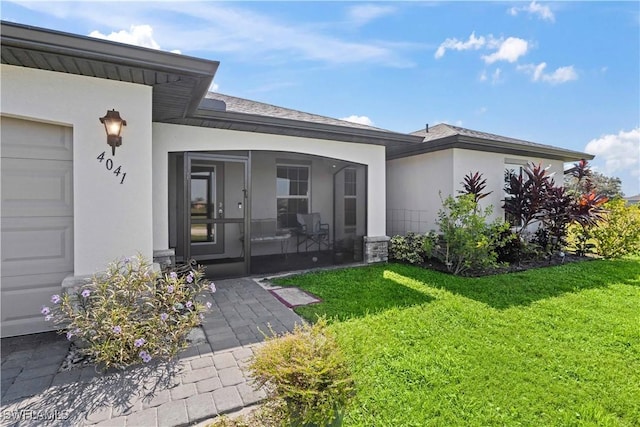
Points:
[(206, 380)]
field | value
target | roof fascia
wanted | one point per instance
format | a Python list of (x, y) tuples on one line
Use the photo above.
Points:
[(341, 133), (479, 144), (534, 151), (45, 40)]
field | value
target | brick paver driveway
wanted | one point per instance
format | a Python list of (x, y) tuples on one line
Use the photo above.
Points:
[(206, 380)]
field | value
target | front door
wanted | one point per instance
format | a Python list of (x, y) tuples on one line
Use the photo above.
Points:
[(215, 199)]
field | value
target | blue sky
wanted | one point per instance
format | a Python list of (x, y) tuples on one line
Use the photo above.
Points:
[(559, 73)]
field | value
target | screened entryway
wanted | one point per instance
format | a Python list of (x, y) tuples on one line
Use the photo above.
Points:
[(260, 212)]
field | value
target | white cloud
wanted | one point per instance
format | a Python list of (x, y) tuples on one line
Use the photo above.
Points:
[(618, 153), (231, 28), (506, 50), (473, 43), (138, 35), (533, 8), (364, 13), (510, 50), (225, 29), (363, 120), (214, 87), (560, 75)]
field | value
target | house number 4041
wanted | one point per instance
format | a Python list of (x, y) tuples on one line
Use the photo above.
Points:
[(108, 163)]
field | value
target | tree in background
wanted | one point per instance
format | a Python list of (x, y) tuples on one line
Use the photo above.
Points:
[(580, 175)]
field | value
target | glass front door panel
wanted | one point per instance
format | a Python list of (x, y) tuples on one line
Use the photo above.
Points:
[(203, 203)]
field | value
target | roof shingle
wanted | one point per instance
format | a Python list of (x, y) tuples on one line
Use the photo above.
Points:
[(247, 106), (436, 137)]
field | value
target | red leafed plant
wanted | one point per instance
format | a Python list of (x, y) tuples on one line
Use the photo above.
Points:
[(588, 209), (527, 195), (474, 184)]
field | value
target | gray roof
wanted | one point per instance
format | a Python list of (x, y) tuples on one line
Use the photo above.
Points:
[(247, 106), (444, 136), (229, 112)]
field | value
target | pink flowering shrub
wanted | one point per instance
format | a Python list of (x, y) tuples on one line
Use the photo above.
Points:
[(131, 314)]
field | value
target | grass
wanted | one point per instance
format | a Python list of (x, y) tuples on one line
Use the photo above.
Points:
[(557, 346)]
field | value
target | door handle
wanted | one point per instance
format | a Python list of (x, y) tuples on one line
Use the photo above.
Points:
[(220, 213)]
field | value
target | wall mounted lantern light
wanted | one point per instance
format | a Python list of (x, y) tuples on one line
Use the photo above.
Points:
[(113, 124)]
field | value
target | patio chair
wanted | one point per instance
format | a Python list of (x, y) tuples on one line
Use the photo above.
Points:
[(312, 231)]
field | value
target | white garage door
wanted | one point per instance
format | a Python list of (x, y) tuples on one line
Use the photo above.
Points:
[(37, 220)]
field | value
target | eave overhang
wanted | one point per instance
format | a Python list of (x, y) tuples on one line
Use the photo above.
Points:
[(179, 82), (480, 144), (279, 126)]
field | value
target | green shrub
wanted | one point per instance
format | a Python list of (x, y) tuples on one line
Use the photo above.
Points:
[(305, 374), (409, 248), (619, 233), (465, 240), (508, 245), (130, 313), (579, 240)]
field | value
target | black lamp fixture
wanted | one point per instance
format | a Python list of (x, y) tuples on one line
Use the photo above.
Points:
[(113, 124)]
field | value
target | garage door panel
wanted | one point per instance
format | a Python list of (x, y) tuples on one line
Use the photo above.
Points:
[(36, 187), (37, 245), (36, 220), (22, 300), (35, 140)]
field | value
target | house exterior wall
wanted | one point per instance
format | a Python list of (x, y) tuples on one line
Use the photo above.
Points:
[(110, 219), (414, 184), (177, 138)]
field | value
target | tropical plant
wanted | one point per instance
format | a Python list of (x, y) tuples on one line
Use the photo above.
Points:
[(533, 197), (556, 215), (527, 194), (582, 179), (474, 183)]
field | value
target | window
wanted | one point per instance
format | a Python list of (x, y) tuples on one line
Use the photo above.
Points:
[(350, 197), (511, 169), (292, 194)]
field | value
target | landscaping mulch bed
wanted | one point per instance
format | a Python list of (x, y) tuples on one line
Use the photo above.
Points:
[(437, 265)]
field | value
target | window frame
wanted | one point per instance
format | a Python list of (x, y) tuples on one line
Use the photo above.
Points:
[(353, 197), (307, 197)]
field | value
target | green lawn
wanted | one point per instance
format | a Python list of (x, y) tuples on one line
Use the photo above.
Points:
[(557, 346)]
